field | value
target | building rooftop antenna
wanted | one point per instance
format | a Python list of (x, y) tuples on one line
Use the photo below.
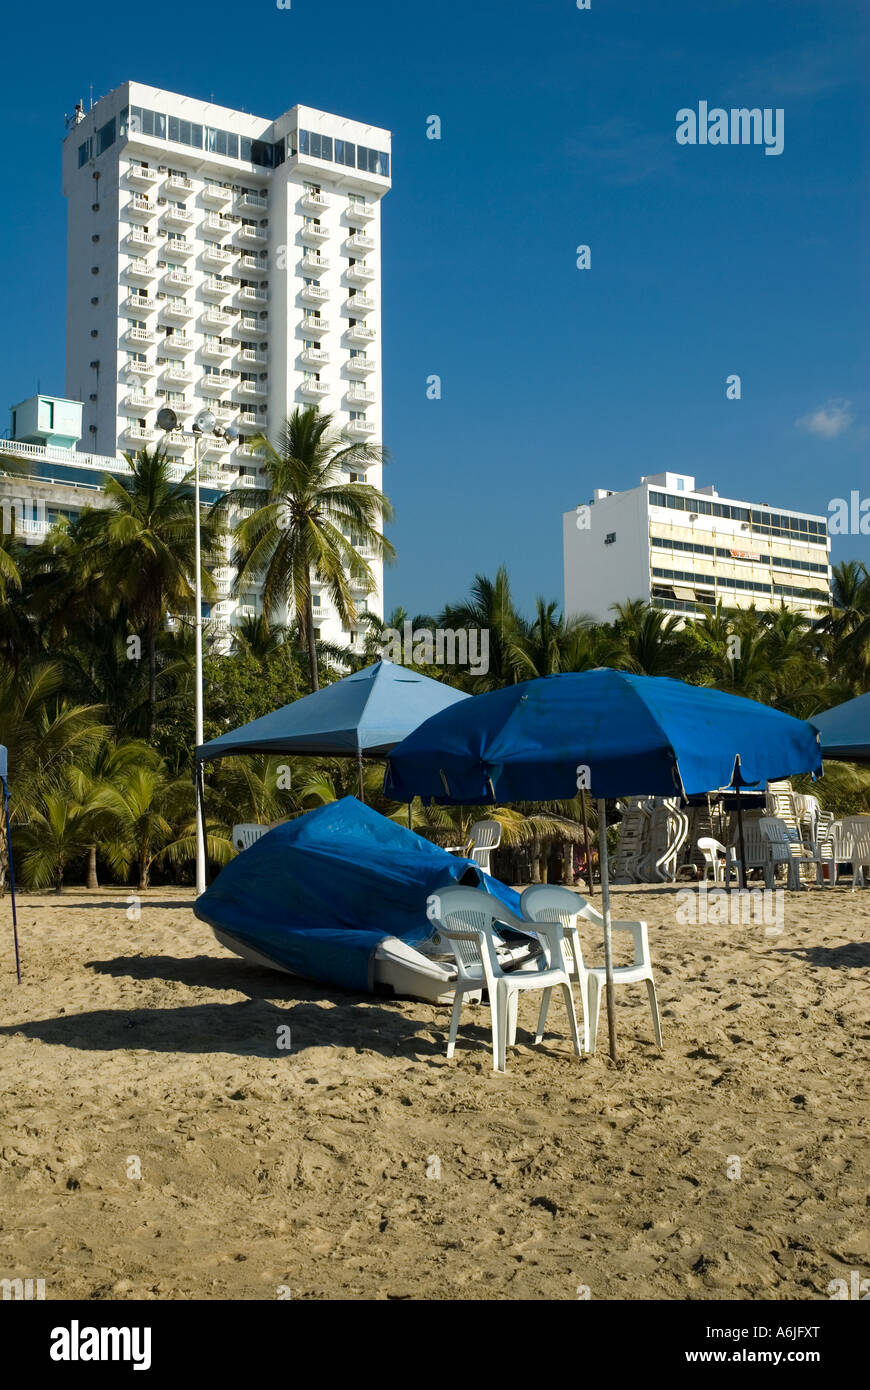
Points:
[(91, 107)]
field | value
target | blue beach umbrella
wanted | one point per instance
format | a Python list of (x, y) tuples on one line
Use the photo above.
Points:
[(609, 732), (4, 783), (845, 730)]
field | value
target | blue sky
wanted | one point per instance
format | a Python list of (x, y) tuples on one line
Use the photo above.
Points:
[(558, 128)]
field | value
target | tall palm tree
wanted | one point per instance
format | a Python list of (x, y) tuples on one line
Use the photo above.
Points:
[(310, 522), (652, 642), (141, 549)]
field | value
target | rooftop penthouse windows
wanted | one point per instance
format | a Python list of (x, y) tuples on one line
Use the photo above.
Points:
[(138, 120), (344, 152)]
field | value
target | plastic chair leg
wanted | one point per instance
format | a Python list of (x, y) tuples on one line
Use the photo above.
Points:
[(654, 1010), (513, 1001), (542, 1016), (594, 1009), (495, 1013), (572, 1019), (454, 1022), (503, 1006)]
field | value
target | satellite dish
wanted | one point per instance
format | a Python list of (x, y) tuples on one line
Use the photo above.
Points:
[(167, 419)]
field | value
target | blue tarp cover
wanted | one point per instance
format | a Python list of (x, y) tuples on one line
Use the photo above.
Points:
[(845, 730), (645, 735), (317, 894)]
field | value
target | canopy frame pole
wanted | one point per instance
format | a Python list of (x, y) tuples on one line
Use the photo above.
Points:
[(11, 880), (410, 817), (590, 877), (200, 831), (362, 792), (605, 911)]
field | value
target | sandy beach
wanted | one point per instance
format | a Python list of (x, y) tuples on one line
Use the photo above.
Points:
[(159, 1143)]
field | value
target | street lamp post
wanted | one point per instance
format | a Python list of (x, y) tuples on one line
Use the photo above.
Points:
[(205, 423)]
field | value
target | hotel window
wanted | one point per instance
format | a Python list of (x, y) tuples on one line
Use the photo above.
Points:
[(85, 151), (345, 153)]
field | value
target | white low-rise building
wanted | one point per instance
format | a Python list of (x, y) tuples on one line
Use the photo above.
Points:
[(680, 548)]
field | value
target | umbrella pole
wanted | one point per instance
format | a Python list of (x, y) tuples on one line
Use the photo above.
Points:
[(605, 907), (362, 795), (410, 818), (11, 882), (589, 877), (741, 877), (200, 820)]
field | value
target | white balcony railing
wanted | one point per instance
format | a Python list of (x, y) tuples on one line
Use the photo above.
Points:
[(140, 176), (314, 202), (359, 241), (216, 195), (251, 296), (143, 302)]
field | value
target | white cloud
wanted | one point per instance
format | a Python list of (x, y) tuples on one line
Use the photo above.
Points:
[(828, 421)]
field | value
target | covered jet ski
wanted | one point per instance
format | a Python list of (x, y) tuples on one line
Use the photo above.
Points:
[(340, 895)]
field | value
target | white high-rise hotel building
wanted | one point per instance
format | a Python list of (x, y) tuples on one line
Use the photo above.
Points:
[(222, 260)]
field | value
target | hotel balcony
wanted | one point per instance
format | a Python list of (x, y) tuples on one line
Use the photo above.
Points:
[(140, 271), (313, 233), (213, 446), (216, 349), (361, 395), (175, 375), (359, 304), (178, 183), (313, 390), (315, 357), (247, 358), (216, 381), (314, 202), (141, 303), (138, 369), (250, 455), (314, 262), (140, 434), (215, 223), (178, 246), (255, 328), (140, 400), (140, 177), (138, 337), (358, 241), (216, 288), (140, 209), (217, 318), (224, 414), (177, 310), (247, 295), (252, 202), (181, 407), (313, 294), (358, 333), (138, 240), (177, 342), (361, 365), (359, 429), (178, 279), (360, 273), (253, 388), (314, 325), (252, 265), (216, 256), (216, 196), (177, 217), (252, 236), (358, 214)]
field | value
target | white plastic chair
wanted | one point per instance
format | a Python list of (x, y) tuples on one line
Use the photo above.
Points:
[(711, 850), (858, 829), (484, 837), (246, 835), (544, 903), (467, 919), (786, 847)]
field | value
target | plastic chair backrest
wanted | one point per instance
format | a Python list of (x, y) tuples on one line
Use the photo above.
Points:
[(486, 834), (465, 917), (246, 835), (548, 902)]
